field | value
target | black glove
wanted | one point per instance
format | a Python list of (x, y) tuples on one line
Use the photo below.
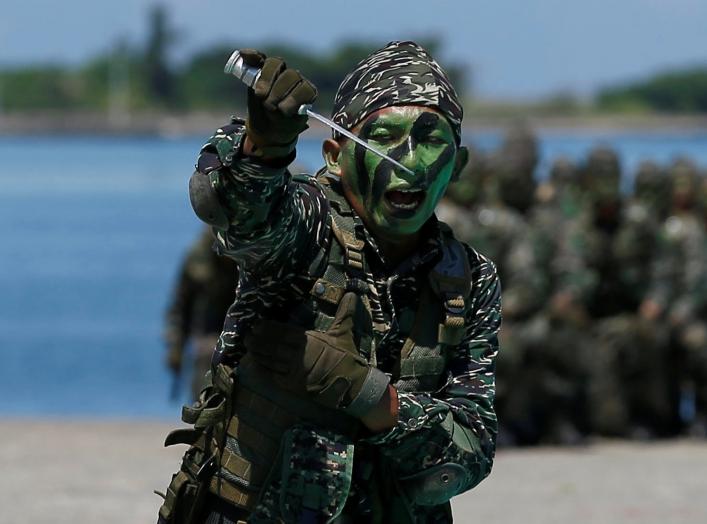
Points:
[(273, 123), (326, 366)]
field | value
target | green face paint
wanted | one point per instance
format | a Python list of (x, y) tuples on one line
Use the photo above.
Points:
[(391, 202)]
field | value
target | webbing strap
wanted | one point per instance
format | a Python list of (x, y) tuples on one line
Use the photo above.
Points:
[(343, 229), (236, 495), (207, 413), (432, 365), (451, 331), (242, 468), (451, 281), (421, 354)]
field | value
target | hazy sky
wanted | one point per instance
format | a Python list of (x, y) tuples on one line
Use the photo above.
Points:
[(515, 48)]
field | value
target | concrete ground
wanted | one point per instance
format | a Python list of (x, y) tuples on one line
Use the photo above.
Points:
[(105, 472)]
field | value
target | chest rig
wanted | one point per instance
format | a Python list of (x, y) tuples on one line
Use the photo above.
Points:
[(242, 425), (437, 323)]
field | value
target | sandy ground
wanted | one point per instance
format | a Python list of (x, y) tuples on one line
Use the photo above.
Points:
[(104, 472)]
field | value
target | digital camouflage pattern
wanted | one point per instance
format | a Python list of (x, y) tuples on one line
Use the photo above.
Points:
[(401, 73)]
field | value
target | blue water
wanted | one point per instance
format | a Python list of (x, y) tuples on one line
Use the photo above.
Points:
[(91, 234)]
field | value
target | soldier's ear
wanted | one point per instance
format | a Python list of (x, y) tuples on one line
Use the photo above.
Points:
[(460, 162), (331, 151)]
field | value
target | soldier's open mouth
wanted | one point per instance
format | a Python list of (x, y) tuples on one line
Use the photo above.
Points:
[(405, 199)]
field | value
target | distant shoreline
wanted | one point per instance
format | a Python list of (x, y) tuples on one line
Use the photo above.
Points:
[(203, 123)]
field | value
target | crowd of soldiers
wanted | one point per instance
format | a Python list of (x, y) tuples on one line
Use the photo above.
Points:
[(604, 294)]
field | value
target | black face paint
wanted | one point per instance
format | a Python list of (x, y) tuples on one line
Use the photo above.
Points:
[(424, 122), (360, 156), (432, 170), (381, 180)]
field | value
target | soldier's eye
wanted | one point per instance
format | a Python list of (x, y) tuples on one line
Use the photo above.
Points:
[(382, 135), (434, 139)]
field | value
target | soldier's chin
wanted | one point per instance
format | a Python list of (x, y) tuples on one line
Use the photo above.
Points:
[(405, 222)]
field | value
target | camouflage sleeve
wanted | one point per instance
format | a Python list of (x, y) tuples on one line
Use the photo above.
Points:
[(458, 424), (276, 223)]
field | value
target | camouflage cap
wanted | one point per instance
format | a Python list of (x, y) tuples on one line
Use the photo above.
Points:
[(401, 73)]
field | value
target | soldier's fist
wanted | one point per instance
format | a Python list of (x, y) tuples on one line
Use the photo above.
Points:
[(273, 123)]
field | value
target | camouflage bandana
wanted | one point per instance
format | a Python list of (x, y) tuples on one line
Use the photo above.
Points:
[(401, 73)]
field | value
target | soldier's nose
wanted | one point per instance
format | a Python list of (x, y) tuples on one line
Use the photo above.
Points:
[(409, 158)]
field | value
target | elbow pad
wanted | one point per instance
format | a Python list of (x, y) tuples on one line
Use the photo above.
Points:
[(436, 485), (205, 201)]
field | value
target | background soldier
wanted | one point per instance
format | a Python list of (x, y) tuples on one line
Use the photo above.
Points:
[(205, 289)]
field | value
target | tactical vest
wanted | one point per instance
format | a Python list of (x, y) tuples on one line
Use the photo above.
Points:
[(242, 427)]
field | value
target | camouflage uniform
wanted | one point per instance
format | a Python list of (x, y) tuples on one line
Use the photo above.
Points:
[(631, 349), (607, 265), (299, 247), (586, 287), (206, 287), (681, 290)]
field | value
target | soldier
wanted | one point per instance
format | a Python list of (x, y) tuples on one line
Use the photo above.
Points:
[(630, 350), (558, 198), (513, 167), (679, 295), (205, 288), (354, 378), (585, 286)]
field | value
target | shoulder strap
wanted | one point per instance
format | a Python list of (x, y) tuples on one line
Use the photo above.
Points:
[(344, 229), (450, 280)]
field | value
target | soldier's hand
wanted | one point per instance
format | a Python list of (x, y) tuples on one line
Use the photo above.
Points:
[(273, 123), (324, 365)]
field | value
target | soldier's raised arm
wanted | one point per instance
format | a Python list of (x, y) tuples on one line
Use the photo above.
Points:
[(241, 185)]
